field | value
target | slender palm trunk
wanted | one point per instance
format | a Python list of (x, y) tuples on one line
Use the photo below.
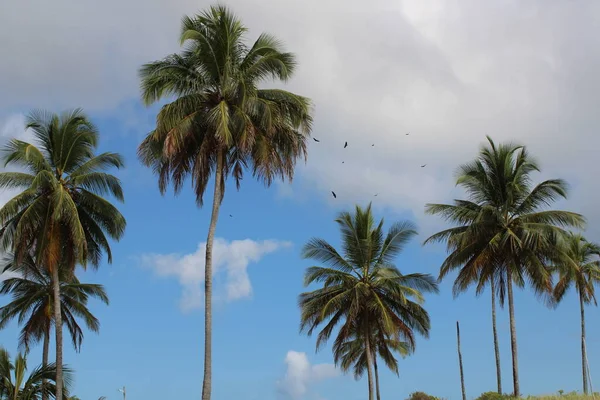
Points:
[(513, 334), (369, 364), (207, 383), (460, 364), (58, 331), (495, 330), (583, 350), (45, 350), (376, 377)]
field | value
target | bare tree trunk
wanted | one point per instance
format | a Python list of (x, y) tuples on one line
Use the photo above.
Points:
[(369, 364), (217, 197), (583, 350), (460, 364), (376, 377), (495, 330), (45, 350), (58, 331), (513, 334)]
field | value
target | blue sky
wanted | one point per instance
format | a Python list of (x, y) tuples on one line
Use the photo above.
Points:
[(153, 346), (449, 73)]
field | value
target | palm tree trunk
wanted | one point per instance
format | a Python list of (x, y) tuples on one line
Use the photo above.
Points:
[(495, 330), (369, 364), (460, 364), (583, 350), (513, 334), (376, 377), (58, 331), (217, 197), (45, 350)]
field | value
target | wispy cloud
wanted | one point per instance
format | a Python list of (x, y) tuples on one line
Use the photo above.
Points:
[(300, 375), (230, 258)]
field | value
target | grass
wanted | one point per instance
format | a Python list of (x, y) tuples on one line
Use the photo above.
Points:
[(559, 396), (566, 396)]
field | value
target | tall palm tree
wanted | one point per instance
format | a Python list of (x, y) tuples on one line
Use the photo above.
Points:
[(504, 230), (15, 384), (363, 290), (32, 304), (581, 269), (352, 354), (60, 214), (493, 289), (221, 122)]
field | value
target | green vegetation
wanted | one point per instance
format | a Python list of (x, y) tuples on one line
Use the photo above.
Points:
[(559, 396), (32, 303), (60, 217), (502, 230), (221, 122), (581, 269), (421, 396), (16, 384), (379, 308)]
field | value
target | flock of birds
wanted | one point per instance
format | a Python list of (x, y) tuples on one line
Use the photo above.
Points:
[(346, 145)]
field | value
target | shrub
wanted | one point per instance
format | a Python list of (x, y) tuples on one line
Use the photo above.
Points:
[(421, 396), (494, 396)]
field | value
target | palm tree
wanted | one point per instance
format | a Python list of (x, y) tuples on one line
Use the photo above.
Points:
[(493, 290), (503, 230), (32, 304), (352, 354), (362, 289), (581, 268), (221, 123), (60, 214), (15, 384)]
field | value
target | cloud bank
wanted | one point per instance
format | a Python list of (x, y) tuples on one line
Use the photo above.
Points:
[(447, 72), (230, 261)]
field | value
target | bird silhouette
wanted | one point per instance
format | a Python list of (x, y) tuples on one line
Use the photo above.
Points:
[(423, 166), (345, 144), (376, 194), (408, 134), (333, 193), (373, 145), (231, 215), (342, 162), (316, 140)]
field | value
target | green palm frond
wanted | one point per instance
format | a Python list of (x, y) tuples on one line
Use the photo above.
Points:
[(363, 294), (16, 383), (578, 265), (220, 109), (503, 223), (32, 302), (65, 179)]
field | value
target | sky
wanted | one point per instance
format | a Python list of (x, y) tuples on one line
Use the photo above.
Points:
[(446, 72)]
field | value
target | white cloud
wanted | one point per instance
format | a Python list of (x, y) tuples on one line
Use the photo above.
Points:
[(230, 259), (300, 375), (447, 71)]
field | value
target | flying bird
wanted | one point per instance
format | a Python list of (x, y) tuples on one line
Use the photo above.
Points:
[(423, 166), (230, 215), (345, 144), (408, 134), (333, 193), (316, 140), (342, 162), (373, 145), (376, 194)]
